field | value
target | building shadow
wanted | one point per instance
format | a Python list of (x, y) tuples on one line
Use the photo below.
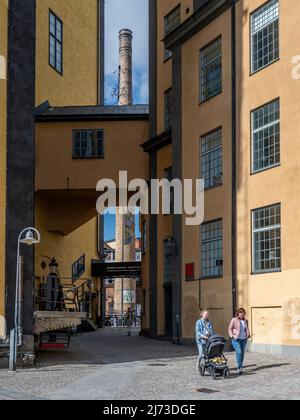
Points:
[(274, 366), (105, 348)]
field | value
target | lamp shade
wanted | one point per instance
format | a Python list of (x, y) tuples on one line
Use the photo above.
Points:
[(53, 266), (30, 239)]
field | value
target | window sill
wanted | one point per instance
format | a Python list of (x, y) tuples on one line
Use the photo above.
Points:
[(252, 73), (213, 188), (211, 278), (259, 273), (210, 98), (277, 165), (61, 73)]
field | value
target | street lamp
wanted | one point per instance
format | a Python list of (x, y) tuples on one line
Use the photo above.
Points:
[(28, 236)]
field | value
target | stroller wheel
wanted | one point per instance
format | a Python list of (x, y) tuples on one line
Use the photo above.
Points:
[(202, 370), (226, 373), (214, 375)]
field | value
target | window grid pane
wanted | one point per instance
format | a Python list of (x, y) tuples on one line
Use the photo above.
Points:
[(211, 70), (267, 239), (55, 42), (211, 159), (172, 20), (265, 35), (212, 249), (88, 144), (266, 136)]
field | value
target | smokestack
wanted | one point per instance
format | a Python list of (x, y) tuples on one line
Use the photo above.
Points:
[(125, 69)]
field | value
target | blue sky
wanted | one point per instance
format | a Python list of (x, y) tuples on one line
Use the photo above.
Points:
[(110, 227), (131, 14)]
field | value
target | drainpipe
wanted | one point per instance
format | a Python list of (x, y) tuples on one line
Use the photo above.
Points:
[(234, 160)]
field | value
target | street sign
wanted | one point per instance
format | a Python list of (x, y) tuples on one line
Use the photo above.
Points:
[(117, 269)]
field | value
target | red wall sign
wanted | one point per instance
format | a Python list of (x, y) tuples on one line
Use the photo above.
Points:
[(190, 272)]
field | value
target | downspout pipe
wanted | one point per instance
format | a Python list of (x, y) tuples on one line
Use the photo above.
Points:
[(234, 159)]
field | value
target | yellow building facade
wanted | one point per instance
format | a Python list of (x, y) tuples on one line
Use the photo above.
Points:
[(64, 45), (223, 88), (82, 29), (233, 111)]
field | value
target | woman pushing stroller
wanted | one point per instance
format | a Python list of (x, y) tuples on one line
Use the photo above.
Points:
[(204, 330)]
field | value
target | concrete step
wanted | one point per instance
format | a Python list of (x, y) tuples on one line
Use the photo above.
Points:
[(88, 325)]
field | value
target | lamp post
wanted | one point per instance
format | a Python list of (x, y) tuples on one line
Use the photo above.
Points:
[(28, 236)]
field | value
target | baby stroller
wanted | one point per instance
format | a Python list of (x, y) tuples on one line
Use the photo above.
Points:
[(214, 362)]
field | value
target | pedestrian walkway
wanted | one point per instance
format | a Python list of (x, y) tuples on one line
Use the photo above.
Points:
[(110, 365)]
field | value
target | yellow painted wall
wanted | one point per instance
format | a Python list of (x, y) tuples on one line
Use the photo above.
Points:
[(78, 84), (66, 249), (72, 213), (272, 300), (3, 55), (164, 68), (197, 121), (54, 163)]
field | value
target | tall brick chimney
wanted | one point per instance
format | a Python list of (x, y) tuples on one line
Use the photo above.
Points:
[(125, 67), (125, 224)]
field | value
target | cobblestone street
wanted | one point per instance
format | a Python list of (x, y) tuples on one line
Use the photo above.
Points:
[(110, 365)]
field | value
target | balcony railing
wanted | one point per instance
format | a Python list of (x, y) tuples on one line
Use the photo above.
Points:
[(62, 294)]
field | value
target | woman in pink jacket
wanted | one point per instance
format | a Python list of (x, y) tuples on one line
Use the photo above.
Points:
[(239, 334)]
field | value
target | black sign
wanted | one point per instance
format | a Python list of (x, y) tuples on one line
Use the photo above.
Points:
[(118, 269)]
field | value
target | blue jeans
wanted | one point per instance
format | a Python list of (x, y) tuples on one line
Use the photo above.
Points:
[(201, 349), (240, 349)]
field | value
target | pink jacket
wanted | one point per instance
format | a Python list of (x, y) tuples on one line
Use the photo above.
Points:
[(235, 329)]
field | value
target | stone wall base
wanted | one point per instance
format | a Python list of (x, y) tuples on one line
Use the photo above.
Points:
[(274, 349)]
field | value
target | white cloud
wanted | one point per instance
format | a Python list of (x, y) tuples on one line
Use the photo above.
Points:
[(131, 14)]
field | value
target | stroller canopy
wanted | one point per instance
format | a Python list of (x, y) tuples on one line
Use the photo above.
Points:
[(215, 346)]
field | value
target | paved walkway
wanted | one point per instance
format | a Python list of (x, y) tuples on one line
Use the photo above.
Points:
[(110, 365)]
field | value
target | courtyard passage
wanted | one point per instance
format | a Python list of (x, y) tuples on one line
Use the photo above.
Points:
[(110, 365)]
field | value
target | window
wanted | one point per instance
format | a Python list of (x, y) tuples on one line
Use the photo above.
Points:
[(265, 35), (211, 70), (172, 20), (266, 137), (266, 226), (212, 249), (144, 237), (211, 159), (55, 42), (168, 110), (168, 262), (78, 268), (88, 144)]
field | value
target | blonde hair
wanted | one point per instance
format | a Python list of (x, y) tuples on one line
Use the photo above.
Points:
[(203, 310)]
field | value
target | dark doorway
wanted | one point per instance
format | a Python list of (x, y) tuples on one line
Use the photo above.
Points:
[(168, 311)]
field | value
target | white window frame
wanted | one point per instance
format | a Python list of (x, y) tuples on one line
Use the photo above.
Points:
[(254, 32), (266, 229), (254, 131)]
